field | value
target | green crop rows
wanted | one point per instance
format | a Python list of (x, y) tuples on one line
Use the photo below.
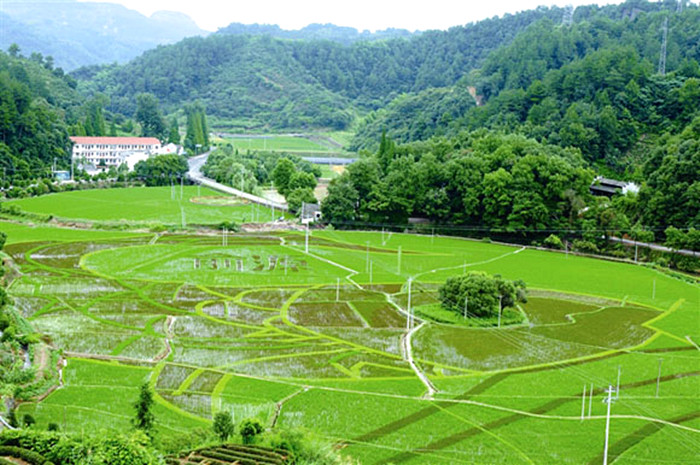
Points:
[(174, 205), (277, 143), (258, 327)]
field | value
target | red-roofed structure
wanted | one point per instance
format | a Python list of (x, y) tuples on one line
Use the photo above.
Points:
[(115, 140), (112, 151)]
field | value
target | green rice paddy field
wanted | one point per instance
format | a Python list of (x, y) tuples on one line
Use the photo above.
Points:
[(165, 205), (277, 143), (261, 328)]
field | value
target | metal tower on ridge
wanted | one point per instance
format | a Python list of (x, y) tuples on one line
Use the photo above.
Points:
[(664, 43), (568, 17)]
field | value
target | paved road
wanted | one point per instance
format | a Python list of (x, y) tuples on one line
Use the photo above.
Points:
[(661, 248), (330, 160), (195, 175)]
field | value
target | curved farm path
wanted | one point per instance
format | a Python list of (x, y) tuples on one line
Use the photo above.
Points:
[(405, 340), (280, 404), (408, 351), (169, 321)]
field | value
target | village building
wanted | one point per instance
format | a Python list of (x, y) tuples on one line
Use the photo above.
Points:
[(101, 153), (608, 187)]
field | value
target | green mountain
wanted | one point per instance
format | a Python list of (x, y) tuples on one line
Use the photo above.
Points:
[(594, 85), (79, 34), (265, 83)]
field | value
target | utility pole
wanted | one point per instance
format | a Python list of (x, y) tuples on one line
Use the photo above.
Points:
[(337, 289), (658, 377), (664, 43), (408, 318), (583, 403), (399, 262), (609, 401), (466, 306), (371, 266), (500, 307), (367, 257)]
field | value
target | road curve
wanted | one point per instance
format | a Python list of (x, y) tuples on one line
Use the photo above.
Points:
[(195, 175), (661, 248)]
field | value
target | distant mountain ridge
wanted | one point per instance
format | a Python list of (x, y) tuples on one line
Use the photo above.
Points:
[(78, 34), (315, 31), (259, 82)]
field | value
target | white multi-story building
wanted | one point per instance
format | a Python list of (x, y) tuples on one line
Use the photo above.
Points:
[(104, 152)]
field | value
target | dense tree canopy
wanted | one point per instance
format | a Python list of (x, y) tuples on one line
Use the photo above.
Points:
[(480, 295), (34, 102), (162, 170), (501, 182)]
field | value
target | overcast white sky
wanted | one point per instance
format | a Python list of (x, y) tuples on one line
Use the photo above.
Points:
[(360, 14)]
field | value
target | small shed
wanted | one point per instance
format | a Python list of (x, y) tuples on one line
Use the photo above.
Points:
[(310, 213), (608, 187)]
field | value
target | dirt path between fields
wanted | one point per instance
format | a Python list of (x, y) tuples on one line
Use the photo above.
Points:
[(168, 337)]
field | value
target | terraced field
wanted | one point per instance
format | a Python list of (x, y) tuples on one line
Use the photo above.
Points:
[(259, 327)]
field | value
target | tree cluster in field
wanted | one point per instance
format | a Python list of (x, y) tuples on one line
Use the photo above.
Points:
[(248, 171), (297, 186), (494, 181), (162, 170), (477, 294)]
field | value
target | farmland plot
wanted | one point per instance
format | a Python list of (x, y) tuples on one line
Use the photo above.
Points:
[(319, 340)]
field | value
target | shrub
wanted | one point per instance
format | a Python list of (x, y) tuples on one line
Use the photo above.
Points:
[(223, 425), (28, 420), (585, 246), (553, 242), (249, 429)]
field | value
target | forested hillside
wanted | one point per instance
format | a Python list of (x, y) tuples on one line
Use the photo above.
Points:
[(593, 85), (36, 102), (265, 83)]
